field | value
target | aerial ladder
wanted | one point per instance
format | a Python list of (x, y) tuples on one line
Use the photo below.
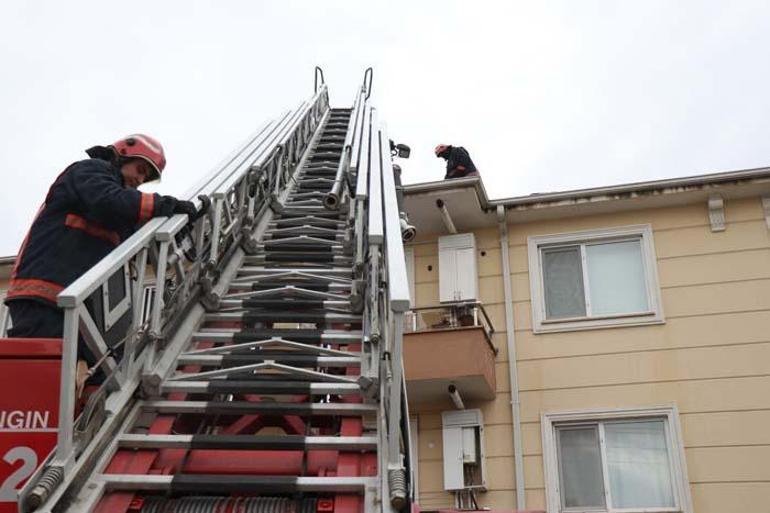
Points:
[(252, 359)]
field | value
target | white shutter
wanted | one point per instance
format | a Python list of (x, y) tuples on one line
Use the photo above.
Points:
[(467, 283), (457, 268), (453, 458), (447, 274)]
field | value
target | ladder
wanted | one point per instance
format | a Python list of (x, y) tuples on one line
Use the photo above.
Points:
[(268, 377)]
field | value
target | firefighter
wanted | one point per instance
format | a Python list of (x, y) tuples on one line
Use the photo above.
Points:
[(91, 207), (458, 162)]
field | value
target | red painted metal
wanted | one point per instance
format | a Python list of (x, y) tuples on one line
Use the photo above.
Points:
[(245, 462), (144, 461), (30, 371)]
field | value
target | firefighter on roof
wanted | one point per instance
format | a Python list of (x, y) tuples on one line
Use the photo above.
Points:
[(458, 162), (91, 207)]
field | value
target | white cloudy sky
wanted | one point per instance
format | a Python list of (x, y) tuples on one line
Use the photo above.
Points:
[(546, 95)]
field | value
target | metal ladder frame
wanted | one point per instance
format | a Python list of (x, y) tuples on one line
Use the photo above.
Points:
[(249, 185)]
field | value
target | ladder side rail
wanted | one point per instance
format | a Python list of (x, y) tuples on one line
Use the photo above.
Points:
[(358, 133), (362, 159), (355, 136), (260, 154), (396, 302), (232, 166), (232, 202), (292, 144), (398, 284), (360, 146), (228, 164), (265, 143), (332, 200), (277, 128), (235, 166), (376, 227), (224, 209)]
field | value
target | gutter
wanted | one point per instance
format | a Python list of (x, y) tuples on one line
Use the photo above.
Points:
[(518, 455)]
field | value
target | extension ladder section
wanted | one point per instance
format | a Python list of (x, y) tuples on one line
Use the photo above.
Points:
[(264, 412)]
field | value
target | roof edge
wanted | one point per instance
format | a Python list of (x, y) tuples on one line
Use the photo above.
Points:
[(687, 182)]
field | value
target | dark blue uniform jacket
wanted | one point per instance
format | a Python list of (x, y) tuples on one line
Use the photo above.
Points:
[(88, 211), (458, 162)]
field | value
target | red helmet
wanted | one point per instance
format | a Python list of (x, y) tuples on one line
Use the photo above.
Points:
[(441, 148), (144, 147)]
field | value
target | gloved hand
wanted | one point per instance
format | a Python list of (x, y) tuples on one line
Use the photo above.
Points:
[(186, 207), (205, 205)]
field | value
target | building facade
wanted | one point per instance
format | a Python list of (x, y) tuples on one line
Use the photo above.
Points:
[(639, 317)]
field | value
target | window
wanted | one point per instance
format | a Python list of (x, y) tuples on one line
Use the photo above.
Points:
[(615, 461), (594, 279)]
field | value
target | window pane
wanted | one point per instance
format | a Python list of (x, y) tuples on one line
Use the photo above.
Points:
[(563, 283), (638, 465), (616, 278), (580, 468)]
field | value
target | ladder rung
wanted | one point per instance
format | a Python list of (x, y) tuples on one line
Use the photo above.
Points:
[(216, 483), (237, 360), (254, 316), (254, 386), (296, 335), (261, 407), (242, 442), (283, 304), (266, 271)]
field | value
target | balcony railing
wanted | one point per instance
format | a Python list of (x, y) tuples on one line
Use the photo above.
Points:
[(450, 316)]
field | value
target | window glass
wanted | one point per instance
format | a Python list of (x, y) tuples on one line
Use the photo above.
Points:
[(616, 278), (563, 283), (638, 464), (580, 467)]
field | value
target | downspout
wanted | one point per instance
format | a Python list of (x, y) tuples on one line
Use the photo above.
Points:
[(518, 457)]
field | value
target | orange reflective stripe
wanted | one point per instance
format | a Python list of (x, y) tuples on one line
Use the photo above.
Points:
[(146, 207), (25, 287), (92, 229)]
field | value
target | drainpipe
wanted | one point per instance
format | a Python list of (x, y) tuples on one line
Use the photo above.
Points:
[(454, 394), (450, 226), (518, 457)]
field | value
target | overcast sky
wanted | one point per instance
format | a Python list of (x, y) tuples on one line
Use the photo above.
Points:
[(546, 95)]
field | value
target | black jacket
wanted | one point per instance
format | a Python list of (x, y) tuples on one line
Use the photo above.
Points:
[(458, 162), (88, 211)]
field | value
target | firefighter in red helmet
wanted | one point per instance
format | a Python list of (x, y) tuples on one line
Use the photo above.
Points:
[(90, 208), (458, 162)]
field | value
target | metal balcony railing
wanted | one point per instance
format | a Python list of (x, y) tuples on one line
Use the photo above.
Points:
[(450, 316)]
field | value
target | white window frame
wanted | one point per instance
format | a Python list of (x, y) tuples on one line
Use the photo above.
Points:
[(549, 421), (535, 244)]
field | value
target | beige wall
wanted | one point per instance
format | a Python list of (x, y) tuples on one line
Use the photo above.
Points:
[(711, 357)]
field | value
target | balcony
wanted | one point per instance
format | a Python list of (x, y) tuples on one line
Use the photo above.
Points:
[(445, 345)]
